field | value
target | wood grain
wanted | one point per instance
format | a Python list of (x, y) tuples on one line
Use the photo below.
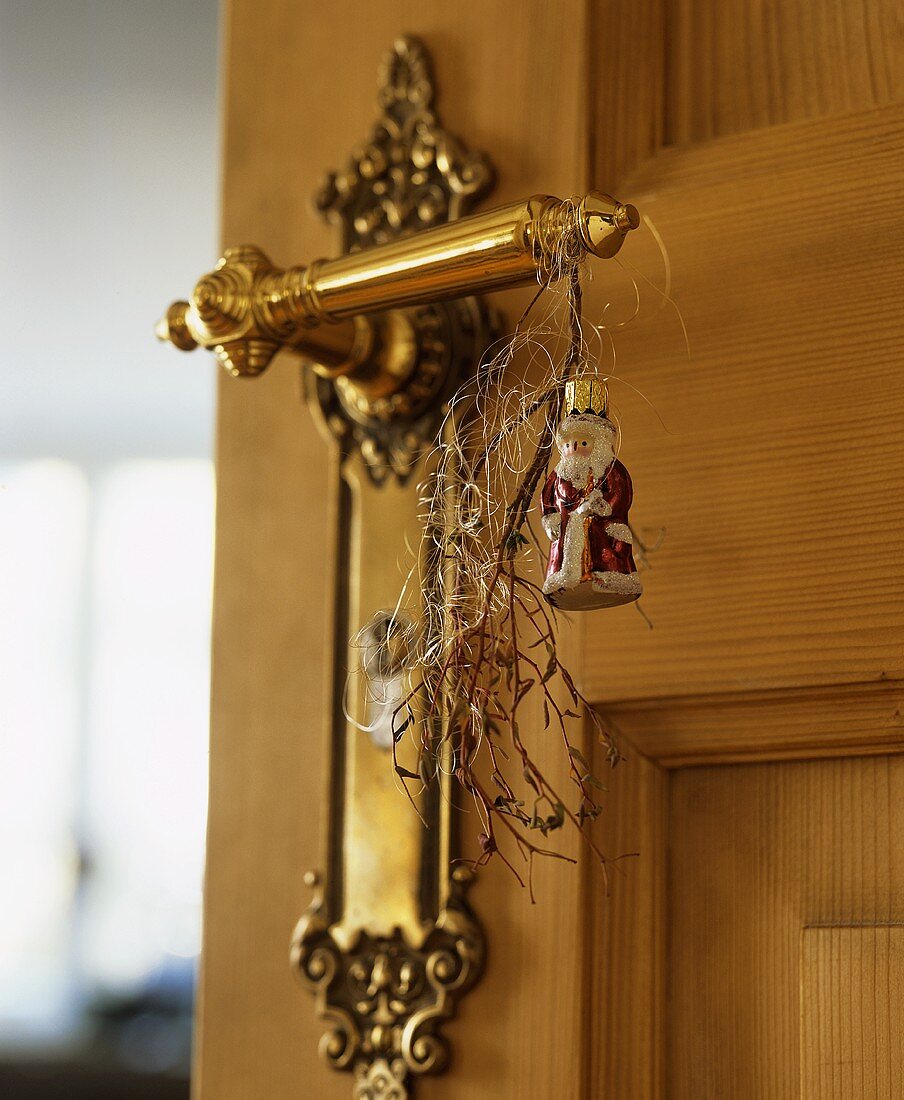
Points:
[(735, 65), (627, 935), (852, 1004), (626, 89), (787, 250), (757, 853)]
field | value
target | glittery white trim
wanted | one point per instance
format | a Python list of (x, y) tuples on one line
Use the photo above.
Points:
[(594, 504), (626, 584), (585, 423), (552, 525), (572, 551), (579, 469), (588, 596), (620, 531)]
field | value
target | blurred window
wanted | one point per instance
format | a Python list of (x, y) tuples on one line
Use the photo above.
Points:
[(104, 683), (108, 212), (43, 532)]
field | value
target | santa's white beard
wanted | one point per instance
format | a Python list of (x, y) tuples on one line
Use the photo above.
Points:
[(580, 468)]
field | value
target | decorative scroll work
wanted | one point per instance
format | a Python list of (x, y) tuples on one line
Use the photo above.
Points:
[(386, 999), (410, 174)]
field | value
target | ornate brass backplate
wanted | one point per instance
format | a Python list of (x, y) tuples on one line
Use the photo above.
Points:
[(409, 175), (389, 943)]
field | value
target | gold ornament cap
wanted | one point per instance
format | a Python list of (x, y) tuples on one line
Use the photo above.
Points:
[(586, 395)]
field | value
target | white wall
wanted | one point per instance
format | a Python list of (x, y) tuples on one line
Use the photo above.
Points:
[(108, 211)]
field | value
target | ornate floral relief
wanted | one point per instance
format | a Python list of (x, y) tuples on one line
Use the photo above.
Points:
[(385, 1000), (410, 174)]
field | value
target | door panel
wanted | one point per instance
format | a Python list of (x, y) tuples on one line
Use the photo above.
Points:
[(758, 854), (756, 936), (852, 999), (787, 256)]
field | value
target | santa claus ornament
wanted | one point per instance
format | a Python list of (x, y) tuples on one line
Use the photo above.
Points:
[(585, 509)]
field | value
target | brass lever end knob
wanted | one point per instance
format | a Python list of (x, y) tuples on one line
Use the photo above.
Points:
[(173, 328), (604, 223), (221, 314)]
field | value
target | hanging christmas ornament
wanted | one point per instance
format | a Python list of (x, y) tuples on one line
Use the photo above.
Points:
[(585, 508)]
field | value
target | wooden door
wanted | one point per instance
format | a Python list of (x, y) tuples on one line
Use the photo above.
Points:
[(754, 947)]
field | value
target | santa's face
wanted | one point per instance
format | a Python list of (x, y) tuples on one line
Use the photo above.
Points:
[(586, 447), (577, 446)]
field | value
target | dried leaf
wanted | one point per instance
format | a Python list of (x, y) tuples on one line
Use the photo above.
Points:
[(551, 668), (398, 732)]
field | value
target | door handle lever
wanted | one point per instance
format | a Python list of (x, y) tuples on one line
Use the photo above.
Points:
[(328, 311)]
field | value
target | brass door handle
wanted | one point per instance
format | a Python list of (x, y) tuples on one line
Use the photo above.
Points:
[(246, 309)]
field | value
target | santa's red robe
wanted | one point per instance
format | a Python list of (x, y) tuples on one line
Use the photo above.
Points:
[(591, 563)]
